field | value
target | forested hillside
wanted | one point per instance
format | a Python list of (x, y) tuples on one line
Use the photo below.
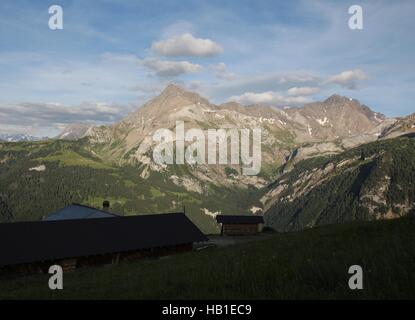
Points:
[(41, 177), (373, 181)]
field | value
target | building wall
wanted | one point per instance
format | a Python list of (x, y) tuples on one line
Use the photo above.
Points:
[(72, 264), (240, 229)]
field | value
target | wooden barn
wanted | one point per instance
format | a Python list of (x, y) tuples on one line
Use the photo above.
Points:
[(240, 225), (32, 247)]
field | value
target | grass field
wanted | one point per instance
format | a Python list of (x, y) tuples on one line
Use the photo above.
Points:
[(311, 264), (71, 158)]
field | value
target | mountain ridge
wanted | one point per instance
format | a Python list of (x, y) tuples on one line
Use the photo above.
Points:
[(17, 137), (317, 128), (175, 97), (115, 161)]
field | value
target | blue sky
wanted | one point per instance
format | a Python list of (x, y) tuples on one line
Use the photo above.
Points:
[(112, 56)]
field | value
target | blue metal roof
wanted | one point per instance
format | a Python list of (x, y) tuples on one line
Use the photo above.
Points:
[(78, 211)]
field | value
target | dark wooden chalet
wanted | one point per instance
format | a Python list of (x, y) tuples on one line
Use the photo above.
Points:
[(35, 246), (240, 225)]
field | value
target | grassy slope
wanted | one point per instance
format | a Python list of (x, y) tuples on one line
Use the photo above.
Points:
[(306, 264)]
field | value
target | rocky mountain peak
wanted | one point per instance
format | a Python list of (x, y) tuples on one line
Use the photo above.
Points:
[(74, 131), (345, 103), (159, 111), (172, 89), (175, 96), (336, 98), (337, 117)]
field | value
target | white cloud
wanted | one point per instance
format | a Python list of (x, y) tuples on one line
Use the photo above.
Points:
[(186, 45), (347, 79), (194, 85), (147, 88), (296, 77), (269, 98), (254, 98), (165, 68), (302, 91), (107, 77), (221, 72), (262, 82), (29, 117)]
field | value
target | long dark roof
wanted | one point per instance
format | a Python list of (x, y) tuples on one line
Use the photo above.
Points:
[(24, 242), (231, 219), (79, 211)]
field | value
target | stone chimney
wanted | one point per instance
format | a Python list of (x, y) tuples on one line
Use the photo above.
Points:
[(106, 205)]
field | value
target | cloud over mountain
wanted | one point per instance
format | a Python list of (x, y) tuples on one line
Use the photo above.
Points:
[(289, 89), (186, 45), (347, 79), (269, 98), (221, 71), (302, 91), (165, 68), (35, 116)]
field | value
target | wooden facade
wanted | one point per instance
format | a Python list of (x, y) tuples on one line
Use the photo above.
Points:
[(240, 229), (240, 225), (72, 264)]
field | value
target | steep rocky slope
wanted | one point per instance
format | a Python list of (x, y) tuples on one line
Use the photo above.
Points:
[(373, 181), (403, 125), (74, 131)]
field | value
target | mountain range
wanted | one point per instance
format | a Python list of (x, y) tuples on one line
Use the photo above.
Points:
[(331, 126), (330, 147), (19, 137)]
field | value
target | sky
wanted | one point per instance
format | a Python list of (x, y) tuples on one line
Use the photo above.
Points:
[(113, 55)]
